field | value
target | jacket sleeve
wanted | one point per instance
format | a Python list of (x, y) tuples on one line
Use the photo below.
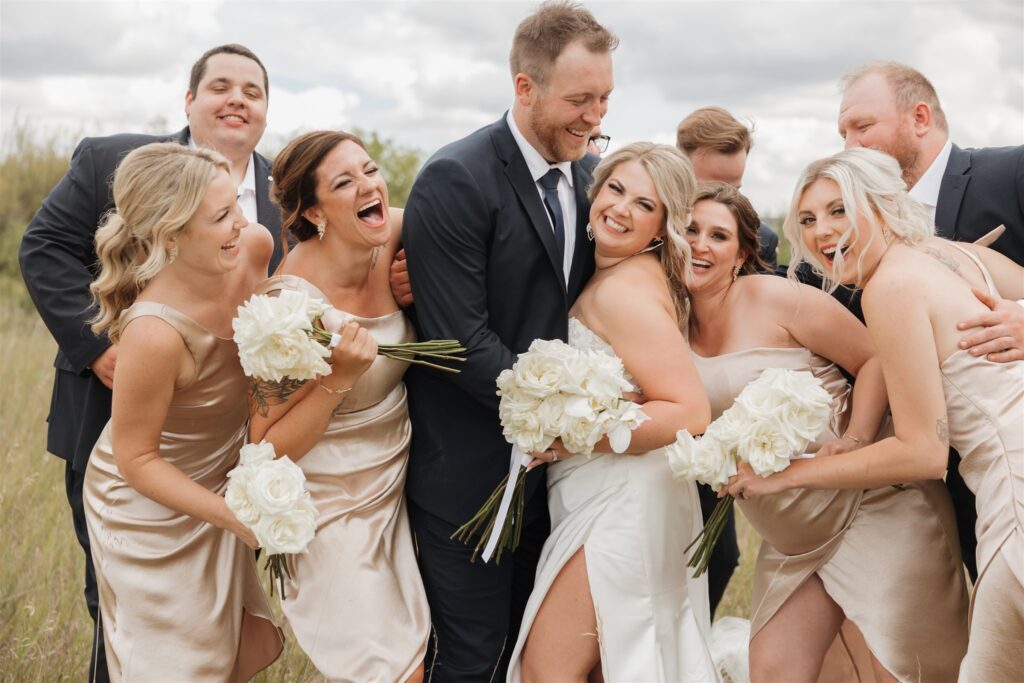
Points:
[(447, 233), (58, 257)]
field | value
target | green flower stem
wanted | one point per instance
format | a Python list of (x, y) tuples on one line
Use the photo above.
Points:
[(708, 536), (487, 515), (411, 352)]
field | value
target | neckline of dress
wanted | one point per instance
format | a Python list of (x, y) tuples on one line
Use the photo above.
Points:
[(188, 318), (327, 300), (750, 350)]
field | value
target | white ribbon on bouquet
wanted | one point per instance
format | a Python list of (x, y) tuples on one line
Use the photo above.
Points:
[(517, 459)]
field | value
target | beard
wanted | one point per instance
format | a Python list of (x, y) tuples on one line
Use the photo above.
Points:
[(551, 135), (905, 151)]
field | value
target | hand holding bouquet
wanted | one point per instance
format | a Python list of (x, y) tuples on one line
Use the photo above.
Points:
[(283, 340), (553, 391), (774, 417), (268, 495)]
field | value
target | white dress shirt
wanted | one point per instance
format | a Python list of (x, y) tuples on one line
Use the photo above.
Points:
[(926, 189), (246, 191), (567, 198)]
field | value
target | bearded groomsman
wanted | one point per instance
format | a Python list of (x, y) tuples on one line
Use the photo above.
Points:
[(495, 231), (968, 192), (226, 107)]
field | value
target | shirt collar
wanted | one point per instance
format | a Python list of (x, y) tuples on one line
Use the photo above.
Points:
[(248, 182), (534, 161), (926, 189)]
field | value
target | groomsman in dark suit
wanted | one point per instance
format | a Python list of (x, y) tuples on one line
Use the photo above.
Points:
[(495, 231), (968, 192), (226, 106), (717, 145)]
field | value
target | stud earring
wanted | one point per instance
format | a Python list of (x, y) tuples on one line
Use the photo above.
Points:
[(321, 228), (590, 233), (736, 273)]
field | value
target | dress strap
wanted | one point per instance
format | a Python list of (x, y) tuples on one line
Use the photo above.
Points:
[(984, 271)]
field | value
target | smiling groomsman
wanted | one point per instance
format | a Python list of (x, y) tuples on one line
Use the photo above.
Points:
[(226, 106), (495, 231)]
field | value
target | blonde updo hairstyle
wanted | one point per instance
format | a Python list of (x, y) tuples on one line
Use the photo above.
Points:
[(676, 185), (157, 189), (872, 187)]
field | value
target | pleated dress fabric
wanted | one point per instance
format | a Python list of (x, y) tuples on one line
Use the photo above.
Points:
[(889, 557), (985, 409), (356, 600), (634, 522), (180, 599)]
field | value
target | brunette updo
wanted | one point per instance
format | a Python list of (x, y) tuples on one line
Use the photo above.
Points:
[(748, 223), (294, 185)]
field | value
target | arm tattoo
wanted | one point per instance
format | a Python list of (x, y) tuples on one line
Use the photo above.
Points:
[(263, 393), (943, 258), (942, 431)]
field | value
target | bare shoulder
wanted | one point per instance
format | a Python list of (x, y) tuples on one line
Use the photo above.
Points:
[(153, 339), (637, 290), (902, 279), (258, 243)]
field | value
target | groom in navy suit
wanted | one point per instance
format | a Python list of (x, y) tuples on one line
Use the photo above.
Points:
[(495, 233), (968, 192), (226, 105)]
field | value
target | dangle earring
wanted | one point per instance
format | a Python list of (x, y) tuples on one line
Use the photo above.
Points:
[(374, 254), (590, 233), (651, 247), (736, 273), (321, 228), (172, 253)]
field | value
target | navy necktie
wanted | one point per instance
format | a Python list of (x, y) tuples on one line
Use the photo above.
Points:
[(550, 184)]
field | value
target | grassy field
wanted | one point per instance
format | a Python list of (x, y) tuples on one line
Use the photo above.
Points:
[(45, 631)]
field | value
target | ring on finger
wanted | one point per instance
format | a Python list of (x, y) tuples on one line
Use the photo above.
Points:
[(554, 456)]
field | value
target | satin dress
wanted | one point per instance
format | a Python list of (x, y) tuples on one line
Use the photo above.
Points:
[(889, 557), (985, 408), (180, 599), (356, 601), (633, 521)]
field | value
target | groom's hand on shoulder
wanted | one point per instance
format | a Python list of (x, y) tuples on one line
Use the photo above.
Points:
[(401, 288)]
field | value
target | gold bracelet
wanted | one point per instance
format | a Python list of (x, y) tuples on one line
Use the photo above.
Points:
[(333, 392)]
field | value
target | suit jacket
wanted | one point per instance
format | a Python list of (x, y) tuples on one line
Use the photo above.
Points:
[(58, 261), (983, 188), (484, 270), (769, 247)]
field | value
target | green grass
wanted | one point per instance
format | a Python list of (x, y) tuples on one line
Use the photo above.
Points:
[(45, 632)]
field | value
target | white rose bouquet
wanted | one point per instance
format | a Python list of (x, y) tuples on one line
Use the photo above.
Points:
[(269, 496), (553, 391), (773, 418), (283, 343)]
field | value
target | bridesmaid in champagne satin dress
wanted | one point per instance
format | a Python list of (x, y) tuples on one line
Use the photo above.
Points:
[(868, 556), (916, 289), (180, 598), (355, 600)]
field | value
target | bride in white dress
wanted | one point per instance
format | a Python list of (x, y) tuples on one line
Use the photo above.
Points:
[(613, 598)]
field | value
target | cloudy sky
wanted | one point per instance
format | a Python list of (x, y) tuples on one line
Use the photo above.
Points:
[(424, 73)]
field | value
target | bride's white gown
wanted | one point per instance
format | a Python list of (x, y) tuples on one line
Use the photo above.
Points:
[(634, 521)]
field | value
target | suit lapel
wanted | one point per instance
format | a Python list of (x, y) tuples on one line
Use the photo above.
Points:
[(951, 192), (266, 212), (526, 189), (584, 247)]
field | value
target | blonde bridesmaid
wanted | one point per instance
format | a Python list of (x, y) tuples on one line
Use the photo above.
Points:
[(852, 220), (180, 598), (355, 601), (871, 556)]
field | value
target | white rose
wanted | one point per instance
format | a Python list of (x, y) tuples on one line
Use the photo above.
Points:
[(254, 453), (276, 486), (273, 338), (537, 375), (705, 460), (287, 532), (237, 496), (765, 448)]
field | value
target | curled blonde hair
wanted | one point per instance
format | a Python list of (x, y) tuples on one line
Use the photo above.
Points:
[(676, 185), (872, 186), (157, 189)]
